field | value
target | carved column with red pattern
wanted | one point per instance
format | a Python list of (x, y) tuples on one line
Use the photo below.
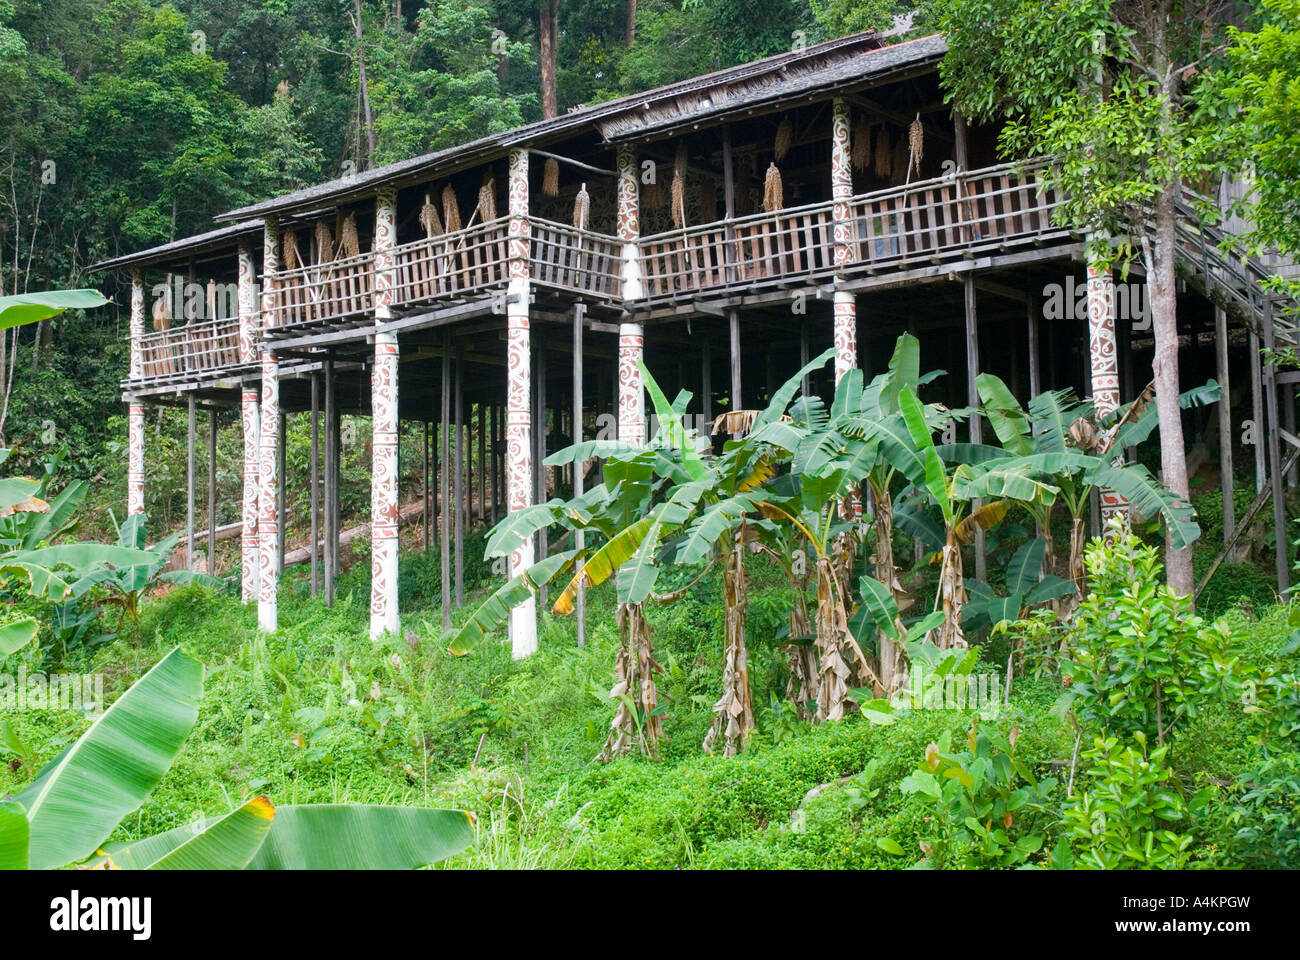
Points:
[(1104, 359), (135, 409), (268, 448), (846, 311), (249, 413), (383, 407), (519, 433)]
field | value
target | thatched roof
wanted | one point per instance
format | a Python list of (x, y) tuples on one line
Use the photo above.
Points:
[(847, 61)]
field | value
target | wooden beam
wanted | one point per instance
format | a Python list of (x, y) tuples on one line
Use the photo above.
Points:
[(972, 396), (573, 163), (580, 538), (1225, 420), (459, 496), (189, 483), (444, 483), (314, 505), (1282, 551), (212, 491)]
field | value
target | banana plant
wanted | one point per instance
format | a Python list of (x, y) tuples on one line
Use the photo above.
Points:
[(969, 496), (24, 308), (1060, 437), (1026, 585), (64, 816)]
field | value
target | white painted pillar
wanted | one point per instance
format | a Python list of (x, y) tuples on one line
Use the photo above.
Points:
[(383, 411), (519, 433), (845, 304), (1104, 361), (249, 414), (268, 528), (135, 409), (631, 337), (631, 387), (629, 221)]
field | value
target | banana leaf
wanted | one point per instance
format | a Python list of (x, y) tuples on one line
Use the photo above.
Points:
[(337, 836), (14, 836), (494, 611), (114, 765), (16, 635), (227, 844), (24, 308)]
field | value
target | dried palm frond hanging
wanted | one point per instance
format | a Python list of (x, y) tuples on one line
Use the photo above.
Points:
[(162, 314), (551, 177), (487, 199), (429, 218), (784, 139), (582, 208), (450, 209), (915, 146), (773, 192), (882, 152), (861, 152), (324, 242), (679, 187), (349, 243), (289, 250)]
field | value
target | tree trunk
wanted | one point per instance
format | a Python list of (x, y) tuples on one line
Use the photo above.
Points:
[(734, 711), (363, 87), (1163, 297), (547, 34), (631, 22), (1077, 572), (832, 628), (634, 672), (886, 572), (952, 595), (801, 685)]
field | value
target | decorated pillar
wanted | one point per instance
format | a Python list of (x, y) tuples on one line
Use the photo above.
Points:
[(249, 413), (846, 311), (629, 221), (383, 408), (519, 434), (631, 389), (268, 529), (1104, 361), (135, 409)]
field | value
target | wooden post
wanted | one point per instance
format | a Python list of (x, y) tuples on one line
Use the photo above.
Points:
[(1103, 363), (733, 326), (330, 493), (280, 498), (135, 409), (212, 491), (250, 421), (1225, 421), (706, 382), (385, 472), (1269, 375), (189, 482), (461, 509), (972, 395), (579, 310), (1288, 421), (444, 483), (1257, 412), (803, 353), (541, 493), (314, 505), (426, 484), (481, 465)]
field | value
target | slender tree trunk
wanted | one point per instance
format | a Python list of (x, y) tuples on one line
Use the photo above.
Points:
[(367, 113), (547, 34), (887, 573), (631, 22), (801, 685), (1163, 294), (734, 711), (832, 628), (634, 673), (952, 595)]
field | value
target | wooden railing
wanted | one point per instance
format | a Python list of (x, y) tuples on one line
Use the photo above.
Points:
[(926, 219), (323, 292), (196, 347), (564, 256), (452, 265)]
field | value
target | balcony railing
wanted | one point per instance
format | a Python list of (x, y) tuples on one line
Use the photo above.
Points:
[(574, 259), (196, 347), (323, 292), (923, 220), (452, 265)]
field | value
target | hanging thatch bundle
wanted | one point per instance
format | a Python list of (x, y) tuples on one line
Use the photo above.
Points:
[(773, 192), (324, 242), (882, 152), (784, 138), (679, 187), (487, 199), (348, 240), (861, 150), (429, 218), (551, 177), (450, 210), (289, 250), (162, 315), (915, 145), (735, 421), (582, 208)]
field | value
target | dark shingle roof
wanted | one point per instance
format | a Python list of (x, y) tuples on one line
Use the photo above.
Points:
[(218, 239)]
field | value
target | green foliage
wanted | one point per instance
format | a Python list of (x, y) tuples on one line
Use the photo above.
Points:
[(989, 808), (1123, 820), (1137, 660), (1267, 814)]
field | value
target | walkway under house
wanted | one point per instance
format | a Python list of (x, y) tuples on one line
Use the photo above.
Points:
[(495, 298)]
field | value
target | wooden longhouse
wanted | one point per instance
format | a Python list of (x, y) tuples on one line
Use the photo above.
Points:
[(454, 290)]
